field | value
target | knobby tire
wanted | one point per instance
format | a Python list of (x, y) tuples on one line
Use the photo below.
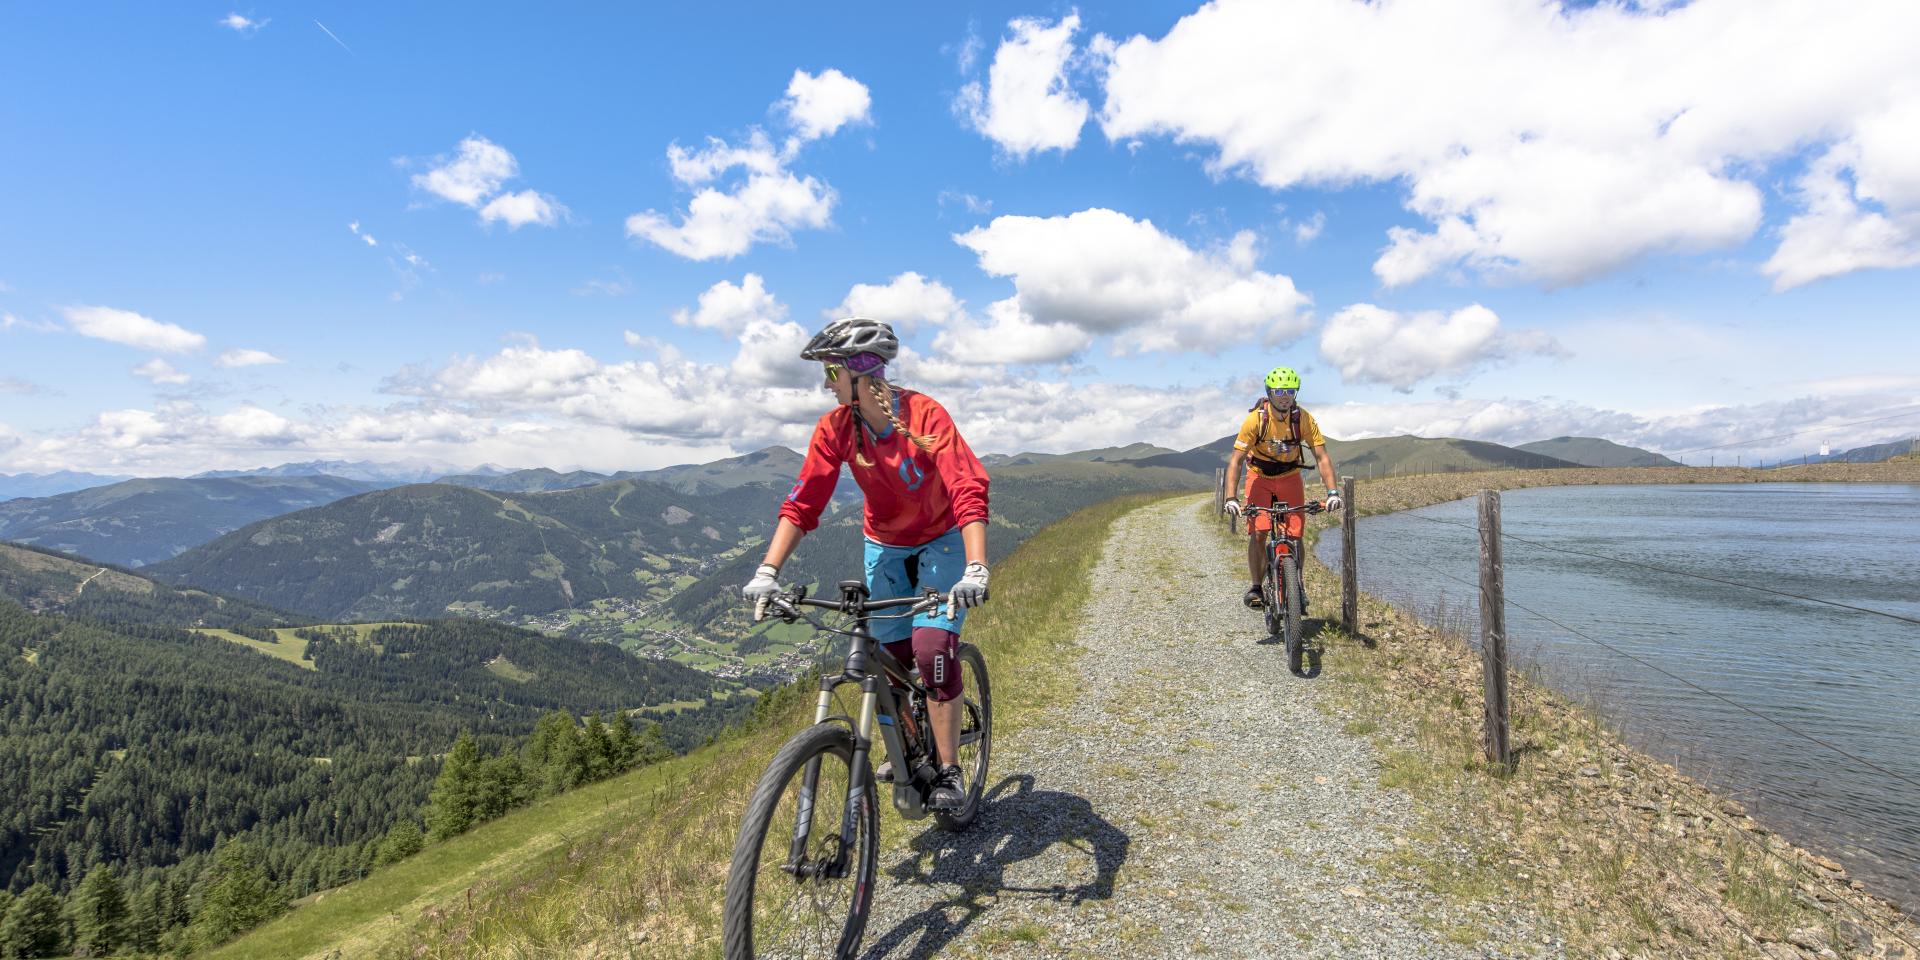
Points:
[(1295, 634), (756, 879), (976, 722)]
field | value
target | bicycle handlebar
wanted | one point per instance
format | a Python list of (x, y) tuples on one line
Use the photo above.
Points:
[(786, 606), (1311, 506)]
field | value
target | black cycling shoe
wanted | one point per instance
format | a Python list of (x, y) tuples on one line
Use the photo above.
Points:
[(1252, 599), (949, 793)]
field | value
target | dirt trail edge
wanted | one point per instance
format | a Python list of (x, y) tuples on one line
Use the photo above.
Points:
[(1196, 799)]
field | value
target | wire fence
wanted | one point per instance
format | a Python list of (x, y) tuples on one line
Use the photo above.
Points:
[(1498, 659)]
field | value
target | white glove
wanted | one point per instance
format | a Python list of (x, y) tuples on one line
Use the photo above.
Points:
[(1232, 507), (1333, 501), (761, 589), (971, 591)]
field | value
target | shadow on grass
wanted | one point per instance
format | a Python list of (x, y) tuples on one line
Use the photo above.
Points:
[(1017, 823)]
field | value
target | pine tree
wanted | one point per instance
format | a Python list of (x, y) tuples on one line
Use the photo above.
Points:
[(626, 742), (450, 805), (99, 912), (33, 926), (499, 786), (554, 754), (144, 919), (597, 749), (239, 896), (402, 841)]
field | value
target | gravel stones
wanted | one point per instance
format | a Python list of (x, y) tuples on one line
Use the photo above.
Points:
[(1195, 798)]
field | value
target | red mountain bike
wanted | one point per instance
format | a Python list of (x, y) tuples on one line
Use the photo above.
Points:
[(1282, 592)]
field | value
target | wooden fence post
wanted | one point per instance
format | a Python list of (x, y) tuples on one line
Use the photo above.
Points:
[(1493, 632), (1349, 564), (1220, 492)]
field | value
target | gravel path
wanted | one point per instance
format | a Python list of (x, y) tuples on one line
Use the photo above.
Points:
[(1194, 801)]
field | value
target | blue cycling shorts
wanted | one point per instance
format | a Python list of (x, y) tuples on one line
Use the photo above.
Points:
[(905, 571)]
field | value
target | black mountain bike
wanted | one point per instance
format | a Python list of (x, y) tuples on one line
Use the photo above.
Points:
[(803, 869), (1282, 592)]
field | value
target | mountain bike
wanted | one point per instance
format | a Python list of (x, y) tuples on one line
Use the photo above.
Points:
[(803, 869), (1282, 592)]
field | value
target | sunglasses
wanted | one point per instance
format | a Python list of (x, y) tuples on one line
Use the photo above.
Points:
[(833, 372), (1283, 392)]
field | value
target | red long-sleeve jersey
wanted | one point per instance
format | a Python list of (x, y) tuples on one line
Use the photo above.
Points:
[(912, 495)]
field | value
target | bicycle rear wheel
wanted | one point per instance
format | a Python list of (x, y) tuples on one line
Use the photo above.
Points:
[(1270, 595), (1292, 630), (790, 891), (976, 736)]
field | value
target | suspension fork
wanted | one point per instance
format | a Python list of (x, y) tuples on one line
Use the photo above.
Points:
[(809, 783)]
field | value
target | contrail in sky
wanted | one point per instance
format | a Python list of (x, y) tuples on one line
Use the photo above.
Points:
[(342, 43)]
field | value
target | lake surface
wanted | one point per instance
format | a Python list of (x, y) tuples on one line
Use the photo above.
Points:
[(1848, 678)]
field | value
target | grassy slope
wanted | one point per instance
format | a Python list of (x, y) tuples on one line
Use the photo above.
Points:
[(636, 864)]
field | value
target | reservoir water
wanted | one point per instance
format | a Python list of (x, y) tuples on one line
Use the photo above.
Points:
[(1847, 678)]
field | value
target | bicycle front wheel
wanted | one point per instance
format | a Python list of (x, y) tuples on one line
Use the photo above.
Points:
[(976, 736), (1295, 635), (795, 889)]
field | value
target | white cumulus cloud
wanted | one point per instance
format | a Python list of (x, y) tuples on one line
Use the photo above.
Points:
[(1104, 272), (474, 178), (132, 329), (1370, 344), (1549, 142), (745, 193), (242, 24), (160, 372), (251, 423), (240, 357), (1028, 104), (516, 210), (820, 105), (907, 301), (1010, 335), (730, 308)]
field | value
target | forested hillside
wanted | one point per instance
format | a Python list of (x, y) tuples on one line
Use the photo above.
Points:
[(436, 549), (145, 521)]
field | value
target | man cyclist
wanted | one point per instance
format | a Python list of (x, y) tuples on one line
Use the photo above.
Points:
[(1272, 442)]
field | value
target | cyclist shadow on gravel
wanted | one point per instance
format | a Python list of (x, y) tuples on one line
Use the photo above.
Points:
[(1017, 823), (1312, 660)]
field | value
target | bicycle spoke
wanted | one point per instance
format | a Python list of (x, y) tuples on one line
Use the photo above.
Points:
[(799, 911)]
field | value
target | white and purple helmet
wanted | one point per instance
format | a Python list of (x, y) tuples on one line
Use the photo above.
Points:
[(850, 337)]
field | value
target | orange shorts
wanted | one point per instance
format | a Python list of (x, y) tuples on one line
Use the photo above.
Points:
[(1262, 490)]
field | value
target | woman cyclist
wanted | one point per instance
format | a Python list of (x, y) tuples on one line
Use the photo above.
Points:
[(926, 517), (1271, 443)]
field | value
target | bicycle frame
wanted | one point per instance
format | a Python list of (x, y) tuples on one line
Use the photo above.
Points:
[(878, 698), (1279, 543)]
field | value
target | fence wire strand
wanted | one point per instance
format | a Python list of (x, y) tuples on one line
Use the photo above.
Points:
[(1678, 573)]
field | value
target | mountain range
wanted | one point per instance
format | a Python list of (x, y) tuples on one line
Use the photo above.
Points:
[(1595, 452), (136, 522), (50, 484)]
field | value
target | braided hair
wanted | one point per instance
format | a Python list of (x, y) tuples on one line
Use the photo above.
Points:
[(882, 391)]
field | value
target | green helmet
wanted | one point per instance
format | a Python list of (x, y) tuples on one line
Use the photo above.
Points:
[(1282, 378)]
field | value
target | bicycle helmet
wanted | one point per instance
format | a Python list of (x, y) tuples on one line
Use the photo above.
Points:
[(851, 335), (1283, 378)]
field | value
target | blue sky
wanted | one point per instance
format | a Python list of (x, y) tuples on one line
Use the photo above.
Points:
[(1110, 222)]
